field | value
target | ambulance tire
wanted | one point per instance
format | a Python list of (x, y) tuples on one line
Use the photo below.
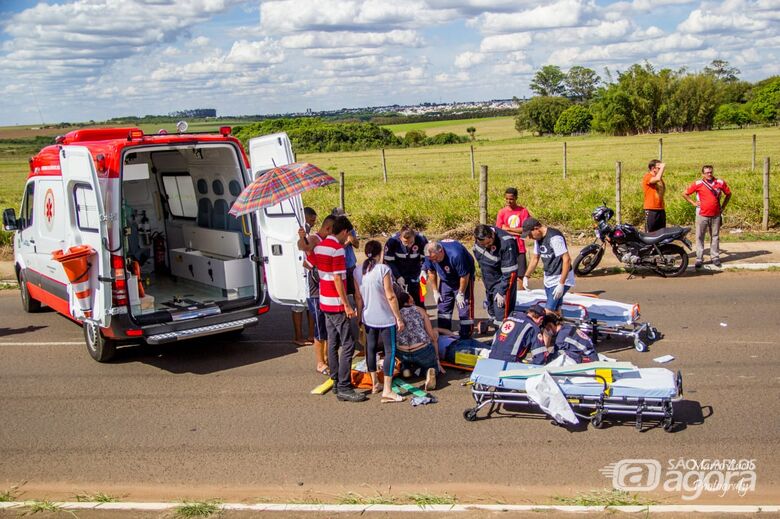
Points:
[(99, 348), (29, 304)]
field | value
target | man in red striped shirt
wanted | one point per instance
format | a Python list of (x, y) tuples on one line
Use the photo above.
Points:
[(331, 265)]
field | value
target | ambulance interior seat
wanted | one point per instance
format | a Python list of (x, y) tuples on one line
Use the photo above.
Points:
[(205, 213), (220, 218), (234, 224)]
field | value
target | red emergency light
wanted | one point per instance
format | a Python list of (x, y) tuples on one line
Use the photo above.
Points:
[(135, 134), (225, 130)]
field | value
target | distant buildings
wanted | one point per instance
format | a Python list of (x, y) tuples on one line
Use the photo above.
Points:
[(198, 113)]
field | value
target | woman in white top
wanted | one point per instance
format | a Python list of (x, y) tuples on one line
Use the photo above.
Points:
[(378, 307)]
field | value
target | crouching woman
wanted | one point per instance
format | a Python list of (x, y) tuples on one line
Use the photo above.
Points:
[(418, 341)]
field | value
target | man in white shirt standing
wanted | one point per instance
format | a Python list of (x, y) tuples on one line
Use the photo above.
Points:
[(550, 246)]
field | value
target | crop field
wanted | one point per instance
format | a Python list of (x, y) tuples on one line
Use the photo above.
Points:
[(490, 129), (432, 189)]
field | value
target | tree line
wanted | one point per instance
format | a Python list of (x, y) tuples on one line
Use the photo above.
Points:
[(643, 99), (315, 135)]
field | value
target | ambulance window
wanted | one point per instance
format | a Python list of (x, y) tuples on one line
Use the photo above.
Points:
[(27, 206), (283, 208), (180, 192), (87, 217)]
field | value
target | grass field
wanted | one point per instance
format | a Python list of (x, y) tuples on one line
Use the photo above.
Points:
[(432, 189), (490, 129)]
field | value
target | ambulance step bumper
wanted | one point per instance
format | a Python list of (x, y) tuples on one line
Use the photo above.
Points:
[(202, 331)]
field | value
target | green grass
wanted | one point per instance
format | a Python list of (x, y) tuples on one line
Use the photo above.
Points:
[(604, 498), (45, 506), (431, 187), (352, 498), (198, 508), (424, 498), (9, 494), (98, 497)]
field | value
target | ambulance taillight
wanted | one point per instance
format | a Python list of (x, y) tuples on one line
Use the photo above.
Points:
[(119, 285)]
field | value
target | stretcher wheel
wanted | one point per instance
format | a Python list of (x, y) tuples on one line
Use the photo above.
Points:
[(669, 424), (639, 345), (470, 415), (652, 333), (597, 421)]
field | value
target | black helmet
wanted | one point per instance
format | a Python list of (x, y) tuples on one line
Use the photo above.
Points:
[(603, 213)]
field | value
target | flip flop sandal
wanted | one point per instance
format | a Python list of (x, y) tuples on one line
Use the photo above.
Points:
[(325, 371), (393, 399)]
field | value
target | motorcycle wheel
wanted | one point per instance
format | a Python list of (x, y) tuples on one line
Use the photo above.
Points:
[(674, 260), (585, 263)]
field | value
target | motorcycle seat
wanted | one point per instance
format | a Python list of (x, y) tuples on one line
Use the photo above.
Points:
[(660, 235)]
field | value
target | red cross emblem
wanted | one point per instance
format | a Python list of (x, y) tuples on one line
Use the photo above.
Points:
[(48, 206)]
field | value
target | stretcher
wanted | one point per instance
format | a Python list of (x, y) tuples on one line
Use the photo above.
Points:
[(627, 393), (597, 317)]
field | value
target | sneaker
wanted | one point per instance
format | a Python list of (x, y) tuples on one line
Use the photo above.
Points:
[(430, 379), (716, 263), (698, 265), (350, 395)]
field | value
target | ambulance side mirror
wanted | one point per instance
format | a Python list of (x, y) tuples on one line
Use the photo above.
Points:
[(9, 220)]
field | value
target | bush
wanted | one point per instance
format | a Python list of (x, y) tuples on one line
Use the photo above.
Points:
[(414, 138), (446, 138), (540, 114), (575, 119), (731, 114)]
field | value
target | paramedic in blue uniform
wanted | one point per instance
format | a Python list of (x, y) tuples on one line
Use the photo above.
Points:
[(550, 246), (520, 337), (405, 255), (451, 274), (570, 340), (496, 253)]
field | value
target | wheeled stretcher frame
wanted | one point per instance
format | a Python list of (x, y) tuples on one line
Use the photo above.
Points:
[(595, 408), (579, 310)]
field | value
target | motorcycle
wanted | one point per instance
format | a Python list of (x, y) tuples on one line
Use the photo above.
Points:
[(633, 248)]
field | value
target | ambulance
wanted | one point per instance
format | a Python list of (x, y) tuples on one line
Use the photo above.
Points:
[(164, 261)]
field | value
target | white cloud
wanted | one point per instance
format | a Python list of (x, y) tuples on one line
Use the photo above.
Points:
[(468, 59), (712, 22), (563, 13), (264, 52), (625, 52), (506, 42), (318, 39)]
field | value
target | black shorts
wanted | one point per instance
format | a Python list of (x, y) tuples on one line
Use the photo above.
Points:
[(655, 219)]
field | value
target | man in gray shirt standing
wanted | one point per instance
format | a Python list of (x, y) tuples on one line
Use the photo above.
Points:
[(550, 246)]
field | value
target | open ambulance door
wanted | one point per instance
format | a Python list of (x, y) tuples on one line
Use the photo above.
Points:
[(279, 224), (87, 225)]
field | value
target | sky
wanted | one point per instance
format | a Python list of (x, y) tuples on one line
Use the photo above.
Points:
[(82, 60)]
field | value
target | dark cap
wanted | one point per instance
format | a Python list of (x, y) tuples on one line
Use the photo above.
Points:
[(529, 224), (537, 309), (338, 211)]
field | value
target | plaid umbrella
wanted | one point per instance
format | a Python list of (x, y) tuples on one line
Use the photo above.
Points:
[(278, 184)]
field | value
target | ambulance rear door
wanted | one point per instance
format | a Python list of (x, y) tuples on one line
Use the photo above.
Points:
[(279, 224), (87, 224)]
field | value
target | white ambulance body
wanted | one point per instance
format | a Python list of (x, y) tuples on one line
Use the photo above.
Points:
[(170, 263)]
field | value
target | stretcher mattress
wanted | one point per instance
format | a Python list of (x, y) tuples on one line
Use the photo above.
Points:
[(639, 383), (576, 306)]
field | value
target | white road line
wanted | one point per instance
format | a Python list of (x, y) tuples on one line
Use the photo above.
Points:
[(61, 343), (283, 507)]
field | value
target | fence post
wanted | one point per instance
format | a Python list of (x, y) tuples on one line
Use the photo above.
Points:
[(384, 166), (618, 173), (661, 149), (564, 160), (483, 203), (753, 162), (472, 162), (765, 219), (341, 190)]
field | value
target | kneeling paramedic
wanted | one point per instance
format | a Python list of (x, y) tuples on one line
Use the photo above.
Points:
[(496, 253), (451, 274), (520, 336), (570, 340)]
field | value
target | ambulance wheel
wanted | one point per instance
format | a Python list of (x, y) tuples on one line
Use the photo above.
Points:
[(597, 421), (29, 304), (99, 348), (470, 415)]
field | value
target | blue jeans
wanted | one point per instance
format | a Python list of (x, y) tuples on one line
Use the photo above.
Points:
[(554, 304), (423, 358), (320, 328)]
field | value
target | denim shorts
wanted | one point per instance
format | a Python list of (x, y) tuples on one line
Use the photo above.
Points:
[(320, 330), (423, 358), (554, 304)]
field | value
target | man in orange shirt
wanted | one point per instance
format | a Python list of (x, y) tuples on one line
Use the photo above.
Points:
[(654, 187)]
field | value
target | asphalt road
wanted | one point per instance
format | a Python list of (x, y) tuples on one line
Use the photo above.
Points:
[(234, 419)]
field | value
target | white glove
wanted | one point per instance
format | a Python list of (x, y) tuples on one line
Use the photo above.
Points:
[(401, 282), (436, 296), (558, 292), (525, 283), (499, 300), (460, 299)]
